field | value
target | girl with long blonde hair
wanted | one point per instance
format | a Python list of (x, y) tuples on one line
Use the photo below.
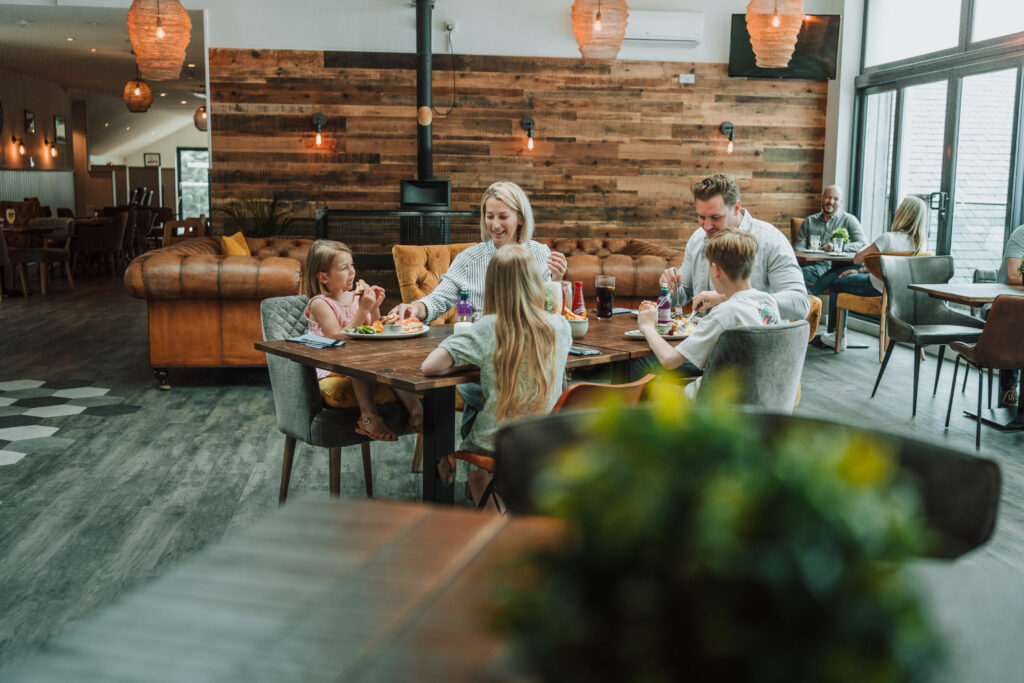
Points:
[(520, 349)]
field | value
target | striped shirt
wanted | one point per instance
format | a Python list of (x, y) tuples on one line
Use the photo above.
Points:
[(469, 271)]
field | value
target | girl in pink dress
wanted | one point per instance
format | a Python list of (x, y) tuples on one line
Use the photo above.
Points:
[(336, 303)]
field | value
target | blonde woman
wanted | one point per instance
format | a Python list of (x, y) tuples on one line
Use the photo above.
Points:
[(909, 229), (520, 349), (505, 218)]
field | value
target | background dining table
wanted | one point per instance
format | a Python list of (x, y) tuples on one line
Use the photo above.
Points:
[(812, 256)]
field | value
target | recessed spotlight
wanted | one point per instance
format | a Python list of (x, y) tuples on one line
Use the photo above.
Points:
[(183, 101), (92, 49), (191, 66), (163, 94), (70, 39), (106, 124), (127, 128)]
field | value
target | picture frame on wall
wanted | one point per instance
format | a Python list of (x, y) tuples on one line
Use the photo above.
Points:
[(60, 129), (151, 159), (30, 122)]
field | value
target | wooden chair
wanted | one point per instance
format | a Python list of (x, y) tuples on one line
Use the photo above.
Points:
[(104, 240), (176, 231), (56, 248), (579, 396), (868, 305)]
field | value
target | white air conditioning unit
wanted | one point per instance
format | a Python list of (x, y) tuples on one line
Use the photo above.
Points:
[(682, 29)]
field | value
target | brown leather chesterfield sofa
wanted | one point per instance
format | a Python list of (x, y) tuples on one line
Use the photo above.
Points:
[(636, 265), (204, 307)]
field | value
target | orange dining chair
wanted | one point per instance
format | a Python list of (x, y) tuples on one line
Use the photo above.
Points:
[(579, 396)]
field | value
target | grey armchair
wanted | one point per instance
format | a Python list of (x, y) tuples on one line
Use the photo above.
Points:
[(918, 319), (301, 413), (769, 359), (959, 492)]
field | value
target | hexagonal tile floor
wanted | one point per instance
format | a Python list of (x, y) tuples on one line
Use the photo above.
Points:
[(26, 405)]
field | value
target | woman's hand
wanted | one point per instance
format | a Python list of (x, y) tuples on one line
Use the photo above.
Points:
[(414, 310), (557, 264), (647, 318)]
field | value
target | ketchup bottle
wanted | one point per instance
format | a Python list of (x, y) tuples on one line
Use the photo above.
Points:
[(578, 307)]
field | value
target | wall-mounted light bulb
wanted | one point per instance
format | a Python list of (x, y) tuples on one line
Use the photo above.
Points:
[(319, 139), (729, 131), (729, 148), (319, 121), (53, 151), (529, 142)]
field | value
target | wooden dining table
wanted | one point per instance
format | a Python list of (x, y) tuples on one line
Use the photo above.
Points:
[(978, 294), (370, 590), (809, 256), (396, 363)]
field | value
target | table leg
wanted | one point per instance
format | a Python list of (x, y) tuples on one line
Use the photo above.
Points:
[(1003, 419), (438, 441)]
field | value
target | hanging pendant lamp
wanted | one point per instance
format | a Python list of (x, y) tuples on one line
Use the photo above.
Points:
[(773, 26), (138, 95), (599, 26), (199, 118), (160, 32)]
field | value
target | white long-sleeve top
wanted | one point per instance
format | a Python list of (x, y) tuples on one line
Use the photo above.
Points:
[(775, 268), (468, 271)]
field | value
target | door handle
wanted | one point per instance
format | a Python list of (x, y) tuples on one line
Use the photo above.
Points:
[(938, 200)]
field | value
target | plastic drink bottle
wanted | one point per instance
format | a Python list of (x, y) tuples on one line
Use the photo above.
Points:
[(664, 306), (464, 307), (578, 307)]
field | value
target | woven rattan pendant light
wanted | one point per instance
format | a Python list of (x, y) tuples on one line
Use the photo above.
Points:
[(773, 26), (599, 26), (199, 119), (159, 31), (138, 95)]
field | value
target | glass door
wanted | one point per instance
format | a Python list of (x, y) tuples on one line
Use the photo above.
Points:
[(876, 166), (922, 133), (984, 145), (193, 182)]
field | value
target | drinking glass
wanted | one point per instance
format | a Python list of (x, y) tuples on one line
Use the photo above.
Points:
[(605, 286), (814, 242), (11, 216)]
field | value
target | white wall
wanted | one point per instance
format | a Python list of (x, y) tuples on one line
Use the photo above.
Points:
[(167, 147)]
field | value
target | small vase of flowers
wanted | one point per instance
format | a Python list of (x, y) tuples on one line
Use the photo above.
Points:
[(839, 238)]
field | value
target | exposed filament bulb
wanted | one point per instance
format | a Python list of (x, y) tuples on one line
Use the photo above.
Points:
[(159, 31), (729, 148), (529, 143), (775, 20), (319, 139), (597, 21)]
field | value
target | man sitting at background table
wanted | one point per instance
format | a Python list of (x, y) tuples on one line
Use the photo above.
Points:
[(820, 225), (1009, 273)]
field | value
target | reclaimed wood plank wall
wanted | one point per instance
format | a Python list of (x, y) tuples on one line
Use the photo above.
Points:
[(617, 145)]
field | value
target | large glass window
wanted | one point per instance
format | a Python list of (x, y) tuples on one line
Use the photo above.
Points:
[(982, 170), (876, 169), (994, 18), (907, 28), (923, 124)]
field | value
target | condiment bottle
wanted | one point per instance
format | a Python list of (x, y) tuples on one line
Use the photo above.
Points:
[(578, 307)]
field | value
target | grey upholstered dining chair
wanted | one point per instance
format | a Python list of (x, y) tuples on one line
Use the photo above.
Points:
[(959, 492), (918, 319), (768, 359), (301, 413)]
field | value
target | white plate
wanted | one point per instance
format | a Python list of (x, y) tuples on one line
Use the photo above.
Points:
[(637, 335), (384, 335)]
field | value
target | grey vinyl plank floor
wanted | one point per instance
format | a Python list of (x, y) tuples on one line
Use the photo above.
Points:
[(137, 493)]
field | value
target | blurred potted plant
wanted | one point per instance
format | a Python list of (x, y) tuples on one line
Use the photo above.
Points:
[(257, 217), (839, 238), (718, 553)]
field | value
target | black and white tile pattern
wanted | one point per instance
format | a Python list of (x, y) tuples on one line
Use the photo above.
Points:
[(26, 405)]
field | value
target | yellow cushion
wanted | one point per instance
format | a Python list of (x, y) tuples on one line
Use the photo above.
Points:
[(235, 245)]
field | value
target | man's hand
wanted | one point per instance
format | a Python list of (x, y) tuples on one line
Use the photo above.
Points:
[(413, 310), (647, 318), (851, 271), (705, 300), (557, 264), (671, 278), (827, 246)]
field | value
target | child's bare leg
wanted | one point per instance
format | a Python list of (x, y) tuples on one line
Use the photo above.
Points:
[(412, 403), (364, 397), (370, 422)]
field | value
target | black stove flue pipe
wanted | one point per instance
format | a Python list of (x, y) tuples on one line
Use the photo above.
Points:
[(424, 98)]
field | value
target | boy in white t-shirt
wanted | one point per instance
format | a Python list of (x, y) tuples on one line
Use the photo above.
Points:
[(730, 256)]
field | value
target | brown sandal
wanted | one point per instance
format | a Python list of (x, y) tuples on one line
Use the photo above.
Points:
[(375, 428), (446, 470), (416, 423)]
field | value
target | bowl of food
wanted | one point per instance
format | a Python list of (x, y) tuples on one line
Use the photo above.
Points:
[(390, 324), (664, 329), (392, 329), (579, 328)]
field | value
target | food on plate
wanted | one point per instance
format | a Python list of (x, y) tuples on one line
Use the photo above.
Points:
[(389, 319), (644, 305), (363, 329), (377, 327), (410, 325), (361, 287), (569, 315)]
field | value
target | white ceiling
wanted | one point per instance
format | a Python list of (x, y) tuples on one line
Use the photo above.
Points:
[(95, 66)]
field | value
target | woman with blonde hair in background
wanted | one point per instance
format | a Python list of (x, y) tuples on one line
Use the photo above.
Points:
[(909, 229), (520, 349)]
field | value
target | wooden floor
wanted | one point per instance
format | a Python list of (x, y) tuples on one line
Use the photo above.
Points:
[(134, 493)]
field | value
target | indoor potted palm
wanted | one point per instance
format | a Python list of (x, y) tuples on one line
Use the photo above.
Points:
[(257, 217), (718, 552)]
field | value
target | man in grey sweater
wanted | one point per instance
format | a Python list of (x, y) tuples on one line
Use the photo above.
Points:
[(776, 272), (820, 226)]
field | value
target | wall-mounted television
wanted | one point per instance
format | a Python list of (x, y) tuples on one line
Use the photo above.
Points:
[(817, 49)]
